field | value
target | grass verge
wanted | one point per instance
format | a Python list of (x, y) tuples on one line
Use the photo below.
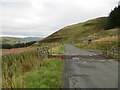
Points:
[(58, 49), (110, 48), (28, 70), (48, 76)]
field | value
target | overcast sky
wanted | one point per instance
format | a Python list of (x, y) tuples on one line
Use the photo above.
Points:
[(43, 17)]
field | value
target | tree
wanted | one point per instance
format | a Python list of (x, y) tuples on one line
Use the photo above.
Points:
[(18, 45), (113, 19), (6, 46)]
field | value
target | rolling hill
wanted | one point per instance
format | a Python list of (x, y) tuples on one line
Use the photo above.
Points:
[(10, 40), (13, 40), (32, 38), (91, 29)]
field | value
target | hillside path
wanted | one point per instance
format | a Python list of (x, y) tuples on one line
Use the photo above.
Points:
[(89, 70)]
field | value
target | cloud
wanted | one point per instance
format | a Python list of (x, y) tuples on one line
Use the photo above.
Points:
[(43, 17)]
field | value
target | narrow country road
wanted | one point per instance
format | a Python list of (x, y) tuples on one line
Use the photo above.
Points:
[(88, 70)]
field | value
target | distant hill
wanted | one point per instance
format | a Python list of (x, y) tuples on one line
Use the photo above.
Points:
[(13, 40), (32, 38), (92, 29)]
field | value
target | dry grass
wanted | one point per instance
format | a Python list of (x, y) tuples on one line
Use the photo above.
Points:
[(16, 50), (114, 38), (55, 48), (59, 49)]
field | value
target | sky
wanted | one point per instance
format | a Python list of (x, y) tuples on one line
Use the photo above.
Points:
[(41, 18)]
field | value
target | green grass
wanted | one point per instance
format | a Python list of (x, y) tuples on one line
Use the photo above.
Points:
[(49, 76), (29, 70), (58, 49)]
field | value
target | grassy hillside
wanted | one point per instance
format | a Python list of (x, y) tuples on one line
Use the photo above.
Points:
[(79, 32), (87, 35), (92, 29)]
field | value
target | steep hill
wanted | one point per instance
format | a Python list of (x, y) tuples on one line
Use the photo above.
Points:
[(92, 29)]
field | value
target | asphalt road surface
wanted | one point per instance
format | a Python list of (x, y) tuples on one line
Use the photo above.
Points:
[(89, 70)]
